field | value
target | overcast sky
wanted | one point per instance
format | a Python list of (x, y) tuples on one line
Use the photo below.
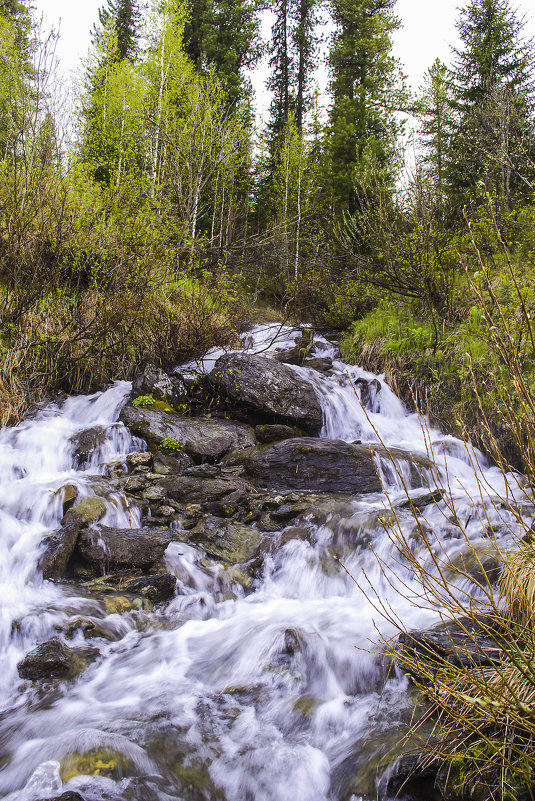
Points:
[(428, 32)]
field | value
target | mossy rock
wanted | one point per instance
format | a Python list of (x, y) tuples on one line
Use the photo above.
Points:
[(118, 605), (98, 762), (306, 705)]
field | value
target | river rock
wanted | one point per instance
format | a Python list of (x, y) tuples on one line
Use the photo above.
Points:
[(154, 381), (58, 549), (226, 540), (310, 464), (193, 490), (368, 391), (160, 587), (291, 355), (201, 438), (322, 364), (85, 443), (139, 459), (51, 659), (170, 464), (117, 548), (68, 796), (275, 433), (88, 510), (266, 386)]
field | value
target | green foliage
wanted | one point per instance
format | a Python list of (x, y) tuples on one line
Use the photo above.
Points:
[(145, 401), (171, 444)]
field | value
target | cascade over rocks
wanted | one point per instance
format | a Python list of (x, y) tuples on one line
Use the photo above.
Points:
[(86, 442), (201, 437), (268, 387)]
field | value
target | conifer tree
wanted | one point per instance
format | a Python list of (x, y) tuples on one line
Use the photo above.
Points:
[(435, 109), (125, 17), (224, 34), (367, 89), (493, 78)]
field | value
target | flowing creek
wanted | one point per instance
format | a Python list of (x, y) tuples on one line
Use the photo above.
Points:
[(272, 693)]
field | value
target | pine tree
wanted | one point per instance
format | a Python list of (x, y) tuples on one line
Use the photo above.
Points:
[(367, 89), (305, 45)]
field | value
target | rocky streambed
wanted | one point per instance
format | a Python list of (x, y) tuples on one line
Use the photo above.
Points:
[(183, 574)]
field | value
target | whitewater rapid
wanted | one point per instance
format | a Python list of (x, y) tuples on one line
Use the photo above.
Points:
[(279, 694)]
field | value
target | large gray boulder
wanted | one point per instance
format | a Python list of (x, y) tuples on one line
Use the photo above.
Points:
[(266, 386), (107, 549), (200, 437), (320, 465), (306, 463), (154, 381)]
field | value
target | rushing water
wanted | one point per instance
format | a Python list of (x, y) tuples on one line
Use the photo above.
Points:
[(275, 695)]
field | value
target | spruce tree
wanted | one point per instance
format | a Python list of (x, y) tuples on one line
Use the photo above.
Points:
[(125, 16), (367, 89), (493, 77), (224, 35), (435, 110)]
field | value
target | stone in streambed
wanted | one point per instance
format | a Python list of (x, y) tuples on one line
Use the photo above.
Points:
[(310, 464), (201, 438), (322, 364), (163, 387), (50, 660), (193, 490), (266, 386), (85, 443), (68, 796), (160, 587), (119, 549), (227, 540), (59, 546), (276, 433)]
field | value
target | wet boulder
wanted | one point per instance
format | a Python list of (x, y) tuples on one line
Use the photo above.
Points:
[(108, 548), (194, 490), (85, 443), (322, 364), (310, 464), (50, 660), (160, 587), (163, 387), (268, 387), (59, 546), (226, 540), (368, 391), (200, 437)]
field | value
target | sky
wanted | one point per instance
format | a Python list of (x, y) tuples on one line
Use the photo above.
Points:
[(428, 31)]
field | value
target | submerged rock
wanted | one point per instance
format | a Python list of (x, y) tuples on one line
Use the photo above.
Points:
[(160, 587), (50, 660), (200, 437), (122, 548), (266, 386)]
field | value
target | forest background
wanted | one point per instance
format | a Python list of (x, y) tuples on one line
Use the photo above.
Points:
[(157, 218)]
